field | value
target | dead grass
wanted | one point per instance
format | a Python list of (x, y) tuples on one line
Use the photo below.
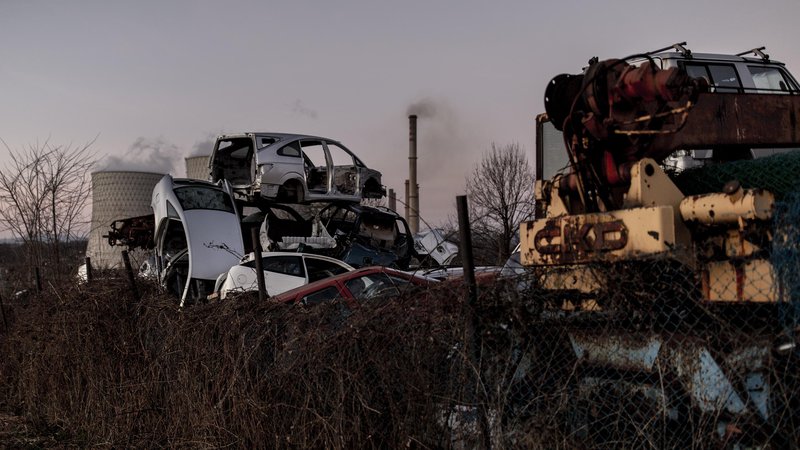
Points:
[(89, 367)]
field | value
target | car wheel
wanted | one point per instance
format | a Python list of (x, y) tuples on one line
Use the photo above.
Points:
[(291, 192)]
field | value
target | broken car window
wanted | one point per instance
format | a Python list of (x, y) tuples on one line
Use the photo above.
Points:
[(290, 149), (375, 285), (314, 153), (339, 155), (319, 269), (202, 197), (266, 141), (287, 265), (316, 166), (329, 293)]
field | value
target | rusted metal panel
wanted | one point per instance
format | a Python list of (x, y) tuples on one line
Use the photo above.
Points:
[(751, 280), (621, 351), (729, 120), (706, 376)]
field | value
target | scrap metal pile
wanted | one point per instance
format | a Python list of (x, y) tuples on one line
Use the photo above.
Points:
[(299, 193)]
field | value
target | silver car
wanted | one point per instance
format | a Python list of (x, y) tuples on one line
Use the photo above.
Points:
[(292, 168)]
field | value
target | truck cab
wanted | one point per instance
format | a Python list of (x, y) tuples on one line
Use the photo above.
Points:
[(756, 74)]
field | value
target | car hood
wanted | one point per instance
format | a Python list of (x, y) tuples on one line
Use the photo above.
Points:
[(215, 242)]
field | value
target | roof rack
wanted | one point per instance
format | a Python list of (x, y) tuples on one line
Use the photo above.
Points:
[(680, 47), (758, 52)]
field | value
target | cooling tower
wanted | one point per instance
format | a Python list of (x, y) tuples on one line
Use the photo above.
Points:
[(116, 195), (197, 167)]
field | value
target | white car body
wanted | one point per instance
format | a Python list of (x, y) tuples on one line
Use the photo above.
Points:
[(433, 243), (283, 271), (197, 235)]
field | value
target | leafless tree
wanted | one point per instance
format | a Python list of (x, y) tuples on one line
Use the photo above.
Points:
[(44, 190), (501, 195)]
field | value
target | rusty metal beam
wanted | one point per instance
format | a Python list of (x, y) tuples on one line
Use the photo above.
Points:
[(735, 120)]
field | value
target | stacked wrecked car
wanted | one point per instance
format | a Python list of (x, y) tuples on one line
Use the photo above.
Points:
[(302, 194)]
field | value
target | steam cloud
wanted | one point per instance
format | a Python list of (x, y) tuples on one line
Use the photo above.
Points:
[(145, 155), (205, 146)]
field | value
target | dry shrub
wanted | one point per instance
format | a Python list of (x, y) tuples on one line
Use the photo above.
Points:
[(402, 372), (238, 372)]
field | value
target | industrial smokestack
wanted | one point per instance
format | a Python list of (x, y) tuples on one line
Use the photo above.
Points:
[(392, 200), (413, 187), (405, 202)]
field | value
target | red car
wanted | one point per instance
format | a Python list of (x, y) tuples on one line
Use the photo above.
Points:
[(362, 284)]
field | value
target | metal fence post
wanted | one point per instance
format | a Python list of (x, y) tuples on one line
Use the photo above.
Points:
[(465, 235), (131, 278), (3, 313), (474, 334), (88, 269), (37, 277), (262, 284)]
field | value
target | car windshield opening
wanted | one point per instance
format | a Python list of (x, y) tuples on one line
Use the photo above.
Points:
[(203, 197)]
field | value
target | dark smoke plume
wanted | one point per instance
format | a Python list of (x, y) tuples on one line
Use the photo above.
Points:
[(423, 108), (300, 108)]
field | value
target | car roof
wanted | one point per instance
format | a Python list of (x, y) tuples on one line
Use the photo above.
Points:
[(282, 136), (178, 182), (715, 57), (332, 281), (249, 257)]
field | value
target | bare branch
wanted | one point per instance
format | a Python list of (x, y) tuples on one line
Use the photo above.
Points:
[(44, 191), (500, 190)]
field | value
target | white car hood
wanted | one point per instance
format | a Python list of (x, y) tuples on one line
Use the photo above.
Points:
[(215, 242)]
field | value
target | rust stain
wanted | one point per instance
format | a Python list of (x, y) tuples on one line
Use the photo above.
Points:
[(740, 280)]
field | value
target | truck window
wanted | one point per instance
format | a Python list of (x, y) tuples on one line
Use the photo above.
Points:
[(770, 79), (551, 157), (722, 77)]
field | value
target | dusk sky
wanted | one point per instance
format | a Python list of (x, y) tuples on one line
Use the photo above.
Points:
[(154, 81)]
